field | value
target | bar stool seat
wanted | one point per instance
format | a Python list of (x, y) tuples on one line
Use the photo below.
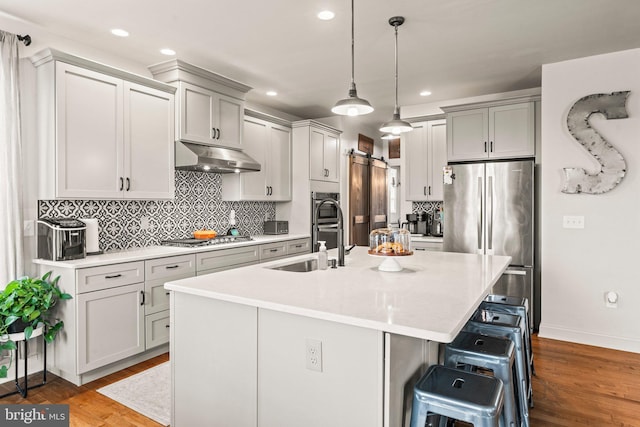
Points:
[(486, 322), (519, 306), (469, 350), (457, 394)]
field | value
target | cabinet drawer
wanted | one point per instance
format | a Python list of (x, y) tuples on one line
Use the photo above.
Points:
[(161, 268), (426, 246), (273, 250), (227, 258), (300, 246), (109, 276), (156, 329)]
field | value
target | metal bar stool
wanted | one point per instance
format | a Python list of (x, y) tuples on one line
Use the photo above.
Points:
[(519, 306), (486, 322), (469, 351), (457, 394)]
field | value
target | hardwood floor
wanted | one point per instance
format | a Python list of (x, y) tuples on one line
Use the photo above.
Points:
[(87, 407), (579, 385), (576, 385)]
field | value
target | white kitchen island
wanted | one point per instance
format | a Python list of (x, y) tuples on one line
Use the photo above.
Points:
[(262, 347)]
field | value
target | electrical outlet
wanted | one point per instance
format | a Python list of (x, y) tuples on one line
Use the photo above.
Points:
[(611, 299), (29, 227), (314, 355), (572, 221)]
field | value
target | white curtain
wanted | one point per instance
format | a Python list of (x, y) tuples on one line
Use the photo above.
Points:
[(11, 255)]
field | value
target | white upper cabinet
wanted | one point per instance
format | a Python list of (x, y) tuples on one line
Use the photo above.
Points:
[(324, 155), (504, 131), (211, 107), (269, 143), (148, 143), (102, 136), (425, 151), (207, 117)]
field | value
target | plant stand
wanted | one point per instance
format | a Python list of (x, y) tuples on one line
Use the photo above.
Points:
[(17, 338)]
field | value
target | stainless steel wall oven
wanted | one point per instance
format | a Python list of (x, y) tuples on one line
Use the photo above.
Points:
[(327, 220)]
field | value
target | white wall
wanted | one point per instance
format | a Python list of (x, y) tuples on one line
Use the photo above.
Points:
[(579, 266)]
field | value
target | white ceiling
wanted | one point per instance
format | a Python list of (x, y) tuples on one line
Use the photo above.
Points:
[(454, 48)]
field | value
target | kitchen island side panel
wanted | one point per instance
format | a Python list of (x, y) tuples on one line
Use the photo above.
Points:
[(213, 362), (347, 390)]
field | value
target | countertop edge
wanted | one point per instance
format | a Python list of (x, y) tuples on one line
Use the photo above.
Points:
[(152, 252)]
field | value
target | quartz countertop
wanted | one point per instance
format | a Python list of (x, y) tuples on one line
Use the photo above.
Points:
[(141, 254), (431, 298)]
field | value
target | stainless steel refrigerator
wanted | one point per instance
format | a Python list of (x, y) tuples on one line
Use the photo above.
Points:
[(489, 209)]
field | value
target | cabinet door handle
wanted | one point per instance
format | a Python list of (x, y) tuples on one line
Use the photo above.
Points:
[(143, 298), (217, 133), (128, 184), (213, 133), (485, 146), (491, 146), (419, 249), (429, 190), (171, 267), (167, 293), (167, 326), (121, 183), (273, 250), (424, 190), (299, 246), (114, 276)]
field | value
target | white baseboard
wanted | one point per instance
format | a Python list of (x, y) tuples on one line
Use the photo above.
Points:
[(589, 338)]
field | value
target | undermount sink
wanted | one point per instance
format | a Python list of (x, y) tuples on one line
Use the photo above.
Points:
[(303, 266)]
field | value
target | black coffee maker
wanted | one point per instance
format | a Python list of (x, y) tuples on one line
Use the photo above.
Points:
[(417, 223), (423, 223)]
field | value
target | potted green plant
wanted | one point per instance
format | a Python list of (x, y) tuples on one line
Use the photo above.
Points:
[(25, 304)]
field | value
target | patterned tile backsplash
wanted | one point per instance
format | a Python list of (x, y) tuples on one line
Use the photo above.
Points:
[(197, 204), (428, 207)]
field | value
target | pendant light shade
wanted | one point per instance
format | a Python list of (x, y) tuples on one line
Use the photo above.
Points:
[(396, 125), (352, 105)]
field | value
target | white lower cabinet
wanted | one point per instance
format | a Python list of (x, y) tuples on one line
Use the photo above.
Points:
[(120, 313), (426, 246), (298, 246), (273, 251), (226, 259), (110, 325), (156, 329), (157, 272)]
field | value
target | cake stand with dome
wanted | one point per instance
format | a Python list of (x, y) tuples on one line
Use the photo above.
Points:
[(390, 244)]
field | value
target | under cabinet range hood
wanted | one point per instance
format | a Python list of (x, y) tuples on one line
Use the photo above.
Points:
[(207, 158)]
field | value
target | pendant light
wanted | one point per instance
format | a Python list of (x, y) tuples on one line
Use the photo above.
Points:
[(352, 105), (396, 126)]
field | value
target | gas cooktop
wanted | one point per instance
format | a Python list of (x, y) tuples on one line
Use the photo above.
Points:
[(219, 240)]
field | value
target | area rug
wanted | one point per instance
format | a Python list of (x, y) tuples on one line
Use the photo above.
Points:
[(148, 392)]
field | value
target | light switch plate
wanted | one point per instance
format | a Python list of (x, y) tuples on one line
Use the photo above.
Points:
[(572, 221)]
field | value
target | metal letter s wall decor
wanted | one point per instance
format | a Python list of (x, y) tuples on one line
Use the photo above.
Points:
[(612, 164)]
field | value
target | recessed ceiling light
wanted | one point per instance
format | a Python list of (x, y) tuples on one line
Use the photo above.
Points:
[(326, 15), (272, 93), (425, 93), (120, 32), (167, 51)]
